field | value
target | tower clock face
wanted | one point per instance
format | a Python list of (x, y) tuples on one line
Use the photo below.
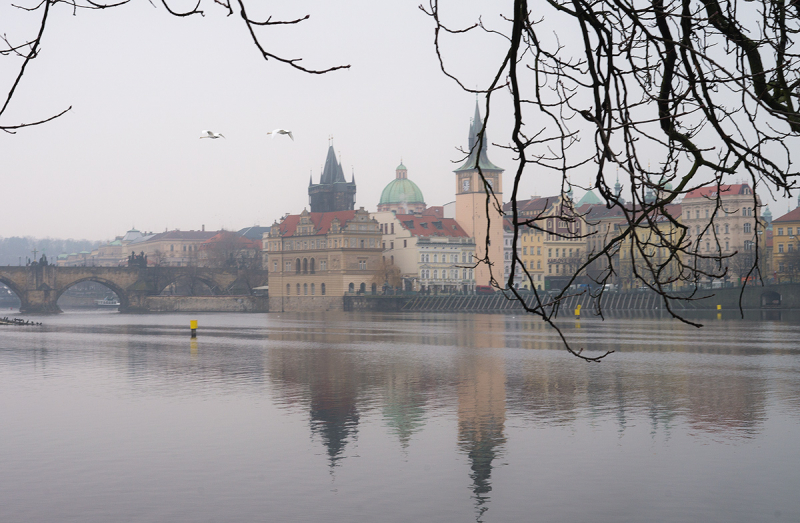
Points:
[(490, 182), (465, 185)]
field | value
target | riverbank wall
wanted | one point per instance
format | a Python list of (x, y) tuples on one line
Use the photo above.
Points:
[(207, 304), (752, 297)]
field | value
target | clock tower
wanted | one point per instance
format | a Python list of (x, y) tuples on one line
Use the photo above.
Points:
[(471, 200)]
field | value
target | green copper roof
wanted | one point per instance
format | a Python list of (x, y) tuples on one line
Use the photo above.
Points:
[(766, 212), (589, 198), (402, 190), (401, 167)]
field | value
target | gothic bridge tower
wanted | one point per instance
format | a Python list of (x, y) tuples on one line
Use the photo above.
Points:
[(332, 193)]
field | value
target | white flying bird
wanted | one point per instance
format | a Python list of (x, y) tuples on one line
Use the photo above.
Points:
[(281, 131), (211, 134)]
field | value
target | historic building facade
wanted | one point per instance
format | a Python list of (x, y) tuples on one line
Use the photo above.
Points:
[(471, 205), (315, 258), (737, 227), (433, 254), (333, 193), (786, 247)]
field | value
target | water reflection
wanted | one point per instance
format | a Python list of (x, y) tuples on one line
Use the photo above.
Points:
[(412, 375)]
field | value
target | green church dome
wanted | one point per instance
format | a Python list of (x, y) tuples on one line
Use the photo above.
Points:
[(589, 198), (401, 190)]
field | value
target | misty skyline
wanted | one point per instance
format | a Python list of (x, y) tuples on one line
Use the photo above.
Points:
[(143, 84)]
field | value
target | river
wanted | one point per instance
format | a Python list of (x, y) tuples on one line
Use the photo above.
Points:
[(365, 417)]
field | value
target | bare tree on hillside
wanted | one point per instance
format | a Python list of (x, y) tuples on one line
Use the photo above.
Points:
[(702, 90), (29, 48)]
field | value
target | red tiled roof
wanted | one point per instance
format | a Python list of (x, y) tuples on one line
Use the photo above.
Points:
[(434, 210), (321, 220), (421, 225), (534, 204), (228, 236), (791, 216), (711, 191)]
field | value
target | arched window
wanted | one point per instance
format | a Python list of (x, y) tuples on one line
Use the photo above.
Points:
[(298, 289), (322, 289), (305, 265), (288, 289), (297, 266), (312, 289), (351, 287), (305, 289), (374, 289), (362, 288), (311, 268)]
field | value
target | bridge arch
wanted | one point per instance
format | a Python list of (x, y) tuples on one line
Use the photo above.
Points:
[(16, 290), (770, 299), (190, 279), (116, 289)]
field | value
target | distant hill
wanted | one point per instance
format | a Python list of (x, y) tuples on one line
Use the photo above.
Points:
[(16, 248)]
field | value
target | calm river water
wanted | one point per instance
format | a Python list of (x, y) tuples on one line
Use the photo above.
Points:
[(361, 417)]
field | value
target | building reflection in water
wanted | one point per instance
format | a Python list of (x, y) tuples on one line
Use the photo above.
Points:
[(483, 368), (482, 405)]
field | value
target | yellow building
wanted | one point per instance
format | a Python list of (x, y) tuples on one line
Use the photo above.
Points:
[(786, 247)]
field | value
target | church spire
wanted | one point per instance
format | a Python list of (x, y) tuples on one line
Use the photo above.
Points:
[(477, 158)]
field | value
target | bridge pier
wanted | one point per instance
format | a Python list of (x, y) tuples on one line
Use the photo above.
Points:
[(39, 302)]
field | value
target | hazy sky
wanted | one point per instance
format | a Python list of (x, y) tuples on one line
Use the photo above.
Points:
[(143, 84)]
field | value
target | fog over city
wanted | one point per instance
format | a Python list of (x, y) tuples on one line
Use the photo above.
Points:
[(143, 84)]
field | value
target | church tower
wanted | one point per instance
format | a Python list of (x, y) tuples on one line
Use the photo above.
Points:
[(333, 192), (471, 204)]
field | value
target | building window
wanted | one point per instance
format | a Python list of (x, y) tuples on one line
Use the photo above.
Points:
[(435, 274), (391, 245), (351, 287), (305, 265), (288, 289), (789, 231), (312, 289), (780, 231), (274, 266), (405, 243), (171, 247), (312, 269), (323, 265), (392, 228), (790, 247), (780, 248), (746, 227), (288, 266), (362, 265), (322, 289), (726, 229), (298, 289), (305, 289)]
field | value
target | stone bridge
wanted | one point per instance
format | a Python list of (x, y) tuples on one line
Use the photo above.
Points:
[(39, 287)]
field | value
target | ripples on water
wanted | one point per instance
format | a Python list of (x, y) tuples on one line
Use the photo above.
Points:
[(370, 417)]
